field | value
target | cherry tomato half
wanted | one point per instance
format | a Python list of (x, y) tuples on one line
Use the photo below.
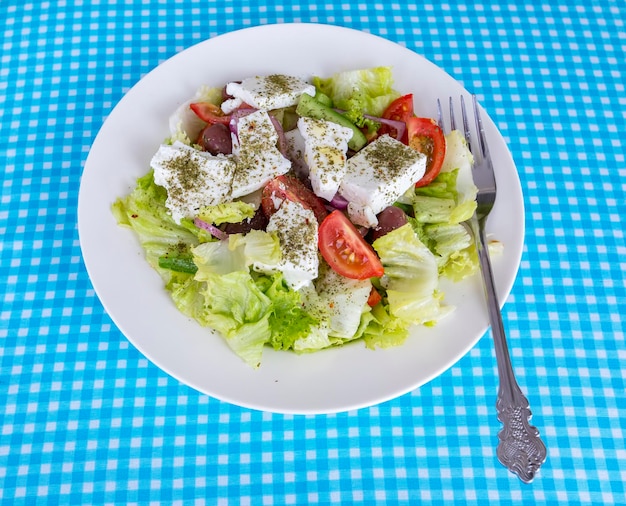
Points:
[(401, 109), (210, 113), (345, 250), (425, 135), (291, 188)]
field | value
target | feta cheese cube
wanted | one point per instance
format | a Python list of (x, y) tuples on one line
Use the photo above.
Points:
[(192, 178), (296, 228), (326, 145), (258, 158), (377, 176), (266, 92)]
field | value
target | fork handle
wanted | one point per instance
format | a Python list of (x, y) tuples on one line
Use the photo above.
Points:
[(520, 448)]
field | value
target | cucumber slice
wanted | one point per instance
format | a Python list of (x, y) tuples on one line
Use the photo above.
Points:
[(311, 108)]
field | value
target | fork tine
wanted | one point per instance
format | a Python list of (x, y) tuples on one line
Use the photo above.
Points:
[(482, 142), (466, 127), (452, 118), (440, 116)]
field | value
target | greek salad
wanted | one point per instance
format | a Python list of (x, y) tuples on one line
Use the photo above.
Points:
[(303, 214)]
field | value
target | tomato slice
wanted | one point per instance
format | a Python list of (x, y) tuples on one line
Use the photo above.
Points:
[(291, 188), (345, 250), (374, 298), (401, 109), (210, 113), (425, 135)]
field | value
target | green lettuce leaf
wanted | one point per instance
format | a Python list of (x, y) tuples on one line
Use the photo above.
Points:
[(358, 92), (411, 277), (230, 303), (451, 197), (439, 201), (186, 293), (246, 300), (257, 249), (316, 307), (458, 156), (228, 212), (442, 206), (454, 249), (289, 322), (144, 211), (260, 250), (381, 330), (236, 307), (316, 340)]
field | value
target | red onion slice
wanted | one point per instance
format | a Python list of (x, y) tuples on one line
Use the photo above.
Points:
[(212, 229), (236, 115), (282, 141), (338, 202)]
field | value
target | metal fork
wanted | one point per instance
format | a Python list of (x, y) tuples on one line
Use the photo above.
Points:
[(520, 447)]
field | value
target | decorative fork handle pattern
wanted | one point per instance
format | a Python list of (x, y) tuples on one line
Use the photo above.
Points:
[(520, 448)]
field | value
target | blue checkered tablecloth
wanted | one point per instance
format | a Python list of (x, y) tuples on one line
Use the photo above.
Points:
[(86, 419)]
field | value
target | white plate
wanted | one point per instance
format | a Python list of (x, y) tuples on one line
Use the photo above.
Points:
[(133, 295)]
